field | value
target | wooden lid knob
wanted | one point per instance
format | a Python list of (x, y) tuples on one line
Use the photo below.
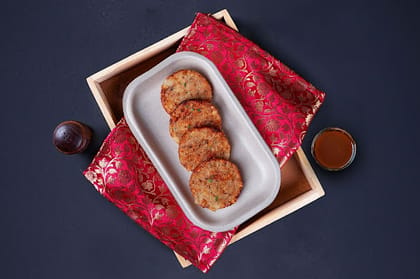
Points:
[(71, 137)]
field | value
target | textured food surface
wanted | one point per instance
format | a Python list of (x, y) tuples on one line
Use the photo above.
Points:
[(193, 114), (184, 85), (201, 144), (216, 184)]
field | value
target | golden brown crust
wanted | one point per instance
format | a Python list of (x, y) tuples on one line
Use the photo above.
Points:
[(201, 144), (204, 149), (216, 184), (193, 114), (184, 85)]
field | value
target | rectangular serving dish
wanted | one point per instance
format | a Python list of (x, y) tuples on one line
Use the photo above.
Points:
[(299, 184), (149, 123)]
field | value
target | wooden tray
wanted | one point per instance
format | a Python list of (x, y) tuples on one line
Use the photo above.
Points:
[(299, 185)]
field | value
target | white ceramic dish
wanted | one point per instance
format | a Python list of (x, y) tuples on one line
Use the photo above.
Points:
[(150, 125)]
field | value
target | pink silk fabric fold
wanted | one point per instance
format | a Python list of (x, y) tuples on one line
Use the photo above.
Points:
[(280, 103)]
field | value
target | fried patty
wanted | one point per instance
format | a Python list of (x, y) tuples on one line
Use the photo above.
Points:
[(216, 184), (201, 144), (184, 85), (193, 114)]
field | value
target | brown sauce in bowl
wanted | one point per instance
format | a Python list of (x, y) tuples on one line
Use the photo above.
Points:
[(333, 149)]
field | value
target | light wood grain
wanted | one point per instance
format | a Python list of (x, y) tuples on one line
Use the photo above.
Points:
[(94, 81)]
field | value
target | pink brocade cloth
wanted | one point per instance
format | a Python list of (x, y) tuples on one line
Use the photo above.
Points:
[(122, 173), (280, 103)]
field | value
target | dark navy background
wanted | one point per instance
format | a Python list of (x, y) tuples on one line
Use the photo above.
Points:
[(364, 54)]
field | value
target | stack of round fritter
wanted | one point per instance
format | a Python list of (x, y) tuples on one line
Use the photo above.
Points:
[(193, 114), (201, 144), (216, 183), (184, 85), (195, 123)]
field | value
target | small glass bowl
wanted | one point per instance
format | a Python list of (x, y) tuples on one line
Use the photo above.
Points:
[(333, 148)]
